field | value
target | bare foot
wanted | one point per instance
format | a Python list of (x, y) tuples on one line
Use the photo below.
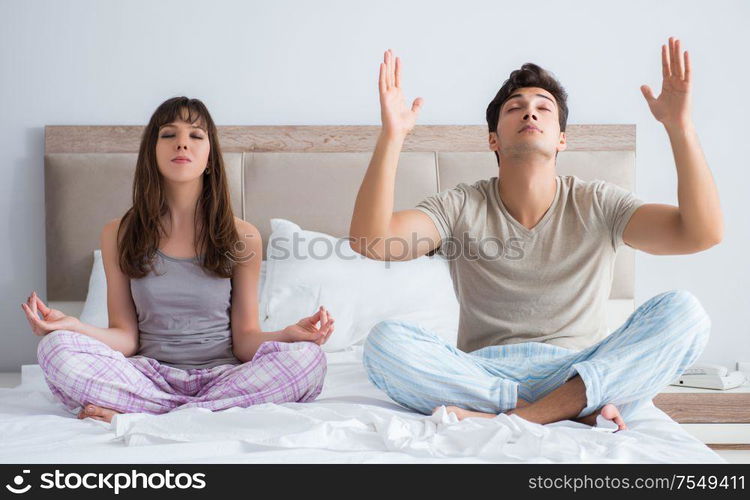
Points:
[(97, 413), (462, 413), (610, 412)]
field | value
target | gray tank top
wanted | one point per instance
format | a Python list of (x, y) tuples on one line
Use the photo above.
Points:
[(184, 314)]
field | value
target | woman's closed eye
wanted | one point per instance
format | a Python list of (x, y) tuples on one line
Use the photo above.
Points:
[(167, 136)]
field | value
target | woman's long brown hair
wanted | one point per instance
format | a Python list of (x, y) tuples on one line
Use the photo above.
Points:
[(141, 227)]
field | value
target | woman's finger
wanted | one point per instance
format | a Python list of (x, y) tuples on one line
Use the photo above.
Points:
[(314, 318), (330, 331), (323, 318), (27, 312), (32, 319), (330, 325), (32, 304), (665, 70), (324, 339), (41, 305)]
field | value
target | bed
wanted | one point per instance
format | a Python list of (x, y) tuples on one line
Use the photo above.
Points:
[(305, 179)]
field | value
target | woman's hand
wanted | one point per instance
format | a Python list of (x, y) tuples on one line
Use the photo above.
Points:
[(305, 330), (52, 319)]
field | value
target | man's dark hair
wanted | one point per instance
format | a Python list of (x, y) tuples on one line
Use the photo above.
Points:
[(530, 75)]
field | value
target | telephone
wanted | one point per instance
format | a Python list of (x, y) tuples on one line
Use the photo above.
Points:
[(709, 376)]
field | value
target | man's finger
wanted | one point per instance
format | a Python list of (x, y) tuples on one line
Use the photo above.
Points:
[(417, 105), (391, 70), (382, 87), (386, 61), (647, 93), (665, 69), (398, 72), (385, 69), (677, 61), (688, 69)]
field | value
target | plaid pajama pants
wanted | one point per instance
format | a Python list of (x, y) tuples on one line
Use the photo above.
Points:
[(80, 370), (418, 370)]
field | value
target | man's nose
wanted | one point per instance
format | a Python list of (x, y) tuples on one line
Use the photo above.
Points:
[(530, 116)]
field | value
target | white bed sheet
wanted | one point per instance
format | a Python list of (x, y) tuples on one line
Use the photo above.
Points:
[(350, 422)]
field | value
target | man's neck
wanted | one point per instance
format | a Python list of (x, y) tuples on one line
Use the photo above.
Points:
[(527, 188)]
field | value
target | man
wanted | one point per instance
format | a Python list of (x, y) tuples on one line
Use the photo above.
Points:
[(532, 337)]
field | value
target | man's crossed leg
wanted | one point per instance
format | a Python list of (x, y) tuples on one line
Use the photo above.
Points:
[(540, 382)]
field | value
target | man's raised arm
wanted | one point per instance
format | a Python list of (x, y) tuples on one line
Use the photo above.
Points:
[(376, 231), (697, 223)]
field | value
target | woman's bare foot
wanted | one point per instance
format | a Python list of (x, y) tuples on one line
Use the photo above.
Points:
[(462, 413), (610, 412), (97, 413)]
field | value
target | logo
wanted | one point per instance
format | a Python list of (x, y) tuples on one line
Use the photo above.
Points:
[(18, 481)]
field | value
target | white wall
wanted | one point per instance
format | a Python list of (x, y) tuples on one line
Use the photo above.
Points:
[(280, 62)]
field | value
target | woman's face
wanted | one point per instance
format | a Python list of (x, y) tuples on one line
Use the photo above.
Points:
[(182, 151)]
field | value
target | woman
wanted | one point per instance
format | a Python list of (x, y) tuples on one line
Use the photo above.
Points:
[(182, 284)]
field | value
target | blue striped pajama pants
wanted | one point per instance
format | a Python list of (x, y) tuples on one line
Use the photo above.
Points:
[(418, 370)]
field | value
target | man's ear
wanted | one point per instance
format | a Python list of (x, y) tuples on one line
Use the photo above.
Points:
[(494, 144), (563, 144)]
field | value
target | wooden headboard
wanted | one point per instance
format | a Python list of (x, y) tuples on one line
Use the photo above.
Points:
[(308, 174)]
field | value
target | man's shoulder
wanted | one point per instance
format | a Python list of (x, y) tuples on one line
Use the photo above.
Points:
[(581, 189), (478, 190)]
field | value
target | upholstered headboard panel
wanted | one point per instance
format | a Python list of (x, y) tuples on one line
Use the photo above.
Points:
[(309, 175)]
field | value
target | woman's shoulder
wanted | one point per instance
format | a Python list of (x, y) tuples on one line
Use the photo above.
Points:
[(110, 228), (250, 240), (246, 227)]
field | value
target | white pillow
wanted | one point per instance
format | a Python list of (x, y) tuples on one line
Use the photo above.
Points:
[(95, 308), (305, 272)]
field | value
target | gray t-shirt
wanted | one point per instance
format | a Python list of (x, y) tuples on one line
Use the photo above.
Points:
[(184, 315), (547, 284)]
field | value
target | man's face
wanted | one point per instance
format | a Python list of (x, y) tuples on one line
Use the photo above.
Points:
[(528, 124)]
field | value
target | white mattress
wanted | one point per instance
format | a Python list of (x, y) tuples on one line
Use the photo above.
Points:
[(351, 421)]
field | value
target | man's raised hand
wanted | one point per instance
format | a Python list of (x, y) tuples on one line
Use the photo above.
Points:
[(397, 118), (672, 107)]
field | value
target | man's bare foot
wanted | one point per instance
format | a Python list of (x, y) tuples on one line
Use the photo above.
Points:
[(462, 413), (97, 413), (610, 412)]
